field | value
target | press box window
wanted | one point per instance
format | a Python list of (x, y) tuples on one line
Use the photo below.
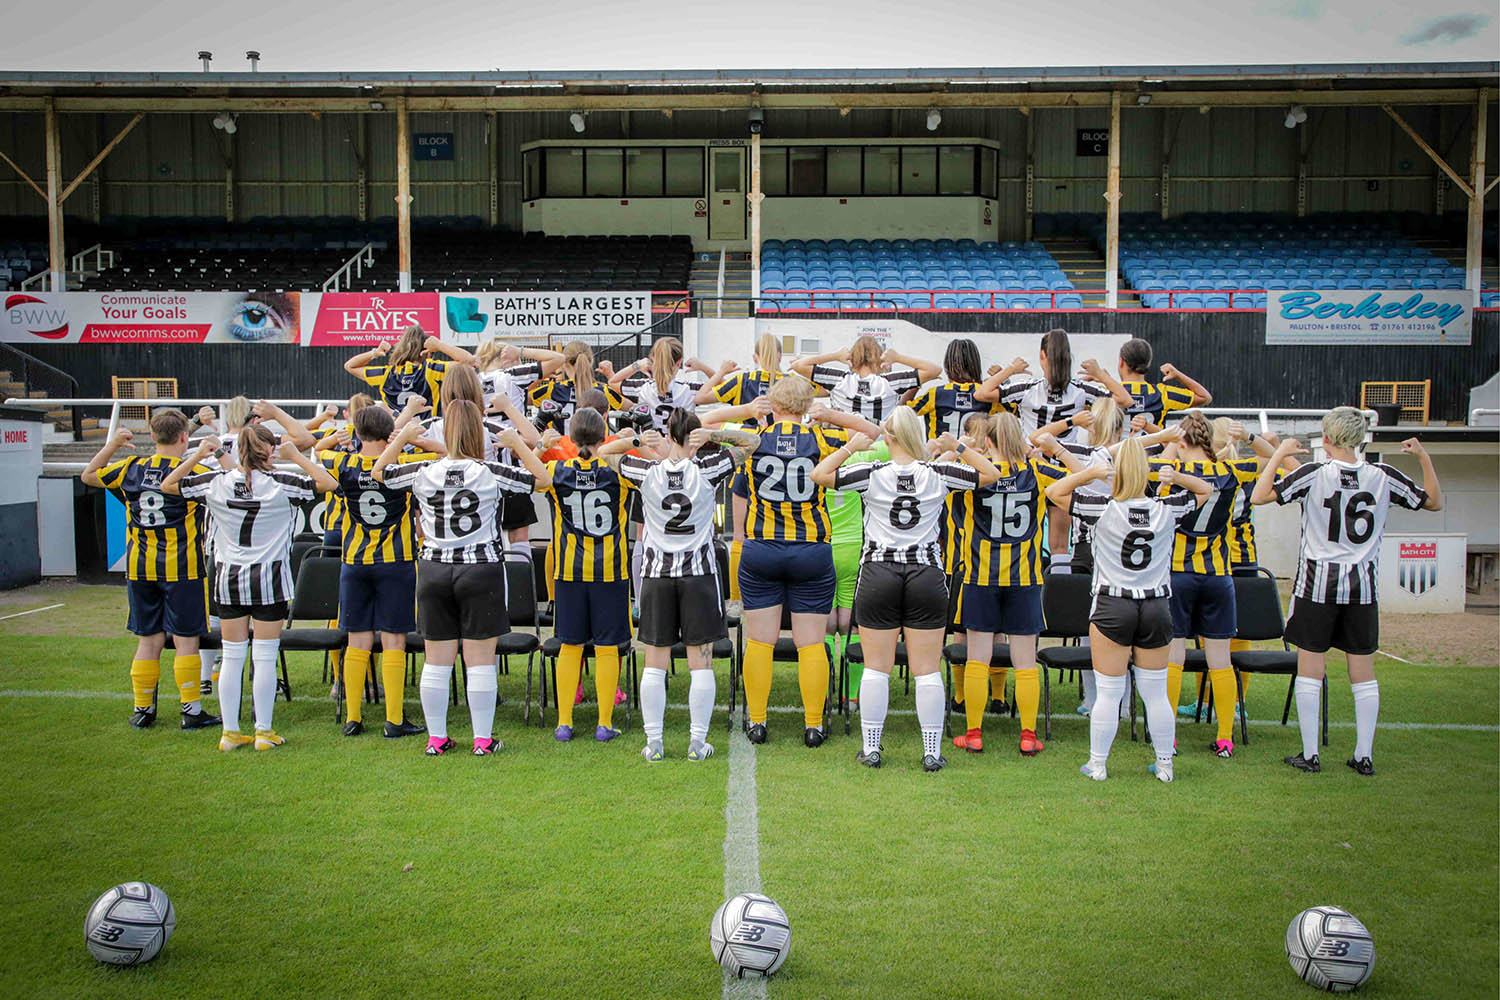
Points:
[(806, 169), (643, 173), (532, 160), (564, 173), (604, 172), (684, 172), (955, 170), (773, 170)]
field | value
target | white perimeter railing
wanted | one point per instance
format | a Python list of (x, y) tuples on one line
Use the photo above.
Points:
[(364, 257), (1264, 414), (719, 300), (102, 258), (218, 402)]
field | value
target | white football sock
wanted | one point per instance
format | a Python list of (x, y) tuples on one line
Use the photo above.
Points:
[(1090, 692), (653, 702), (929, 695), (208, 658), (263, 679), (434, 693), (701, 692), (1309, 691), (1104, 721), (1161, 720), (1366, 711), (232, 683), (483, 683), (874, 703)]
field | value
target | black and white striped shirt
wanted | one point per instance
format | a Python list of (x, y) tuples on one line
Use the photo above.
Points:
[(1034, 402), (253, 523), (510, 382), (678, 500), (459, 500), (904, 507), (1132, 541), (1344, 506), (682, 394), (873, 397)]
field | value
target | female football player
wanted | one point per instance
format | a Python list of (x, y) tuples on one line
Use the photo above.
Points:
[(1002, 589), (787, 560), (902, 587), (508, 370), (461, 575), (252, 509), (664, 386), (680, 600), (409, 368), (865, 380), (576, 377), (1152, 401), (1131, 620)]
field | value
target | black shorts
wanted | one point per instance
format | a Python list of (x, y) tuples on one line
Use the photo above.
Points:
[(517, 510), (592, 612), (796, 575), (179, 608), (1128, 622), (380, 597), (901, 595), (259, 612), (685, 609), (461, 601), (1007, 610), (1203, 605), (1354, 628)]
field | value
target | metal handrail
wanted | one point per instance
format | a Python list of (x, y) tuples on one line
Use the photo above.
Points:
[(99, 253), (219, 402), (365, 255), (1482, 411), (27, 284), (719, 291), (1264, 413), (27, 361)]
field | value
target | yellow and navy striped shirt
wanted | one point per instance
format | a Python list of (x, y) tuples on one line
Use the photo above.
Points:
[(564, 392), (590, 504), (1003, 536), (163, 533), (785, 504), (944, 408), (1202, 542), (1242, 525), (333, 510), (398, 383), (1156, 399), (742, 388), (376, 523)]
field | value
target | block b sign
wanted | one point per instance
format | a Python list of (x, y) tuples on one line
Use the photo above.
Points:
[(432, 145)]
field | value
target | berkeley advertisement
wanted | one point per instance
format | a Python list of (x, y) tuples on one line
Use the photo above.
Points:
[(1386, 316)]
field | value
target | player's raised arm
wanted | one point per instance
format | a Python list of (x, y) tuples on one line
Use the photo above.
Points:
[(356, 365), (173, 483), (1430, 485), (827, 470), (1201, 396), (1265, 486), (119, 439)]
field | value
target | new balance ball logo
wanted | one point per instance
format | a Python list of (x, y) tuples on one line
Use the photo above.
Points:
[(1416, 567), (748, 932)]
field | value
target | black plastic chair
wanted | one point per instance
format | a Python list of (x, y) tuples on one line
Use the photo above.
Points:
[(1066, 601), (316, 598), (1258, 604), (522, 610)]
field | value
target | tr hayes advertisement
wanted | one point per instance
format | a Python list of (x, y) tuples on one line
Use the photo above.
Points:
[(150, 318), (359, 319)]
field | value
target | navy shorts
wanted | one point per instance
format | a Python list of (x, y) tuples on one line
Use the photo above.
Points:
[(179, 608), (380, 597), (1203, 606), (1008, 610), (795, 575), (597, 613)]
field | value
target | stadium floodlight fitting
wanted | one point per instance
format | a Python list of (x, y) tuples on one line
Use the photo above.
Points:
[(934, 119), (226, 122), (1143, 99), (579, 120), (254, 58), (207, 58), (377, 105), (1295, 116)]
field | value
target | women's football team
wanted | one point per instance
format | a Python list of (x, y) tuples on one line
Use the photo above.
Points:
[(878, 502)]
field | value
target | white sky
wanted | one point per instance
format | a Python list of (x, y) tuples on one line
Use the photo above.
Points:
[(165, 35)]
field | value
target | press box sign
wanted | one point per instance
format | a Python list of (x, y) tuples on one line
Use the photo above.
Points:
[(1370, 317), (470, 318)]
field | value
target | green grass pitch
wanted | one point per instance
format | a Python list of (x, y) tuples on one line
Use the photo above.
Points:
[(359, 867)]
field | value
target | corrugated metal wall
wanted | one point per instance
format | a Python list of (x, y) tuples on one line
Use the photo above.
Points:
[(299, 164)]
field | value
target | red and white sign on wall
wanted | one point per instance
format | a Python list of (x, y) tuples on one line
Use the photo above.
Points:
[(150, 318), (364, 319)]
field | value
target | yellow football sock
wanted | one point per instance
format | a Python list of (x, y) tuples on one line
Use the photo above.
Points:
[(1225, 700), (812, 677), (997, 682), (1028, 696), (958, 683), (185, 671), (606, 682), (143, 677), (1174, 684), (336, 659), (735, 548), (569, 670), (393, 679), (356, 669), (1239, 646), (551, 561), (757, 680), (976, 686)]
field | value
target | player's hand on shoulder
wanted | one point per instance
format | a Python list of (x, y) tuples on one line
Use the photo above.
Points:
[(1084, 419), (945, 442), (382, 349), (549, 439), (651, 439), (859, 441), (1090, 370), (1169, 372), (761, 406)]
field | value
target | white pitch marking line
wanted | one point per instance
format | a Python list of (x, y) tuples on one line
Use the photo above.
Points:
[(33, 611), (741, 841), (1393, 656)]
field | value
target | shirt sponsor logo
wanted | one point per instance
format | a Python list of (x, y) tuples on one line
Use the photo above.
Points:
[(453, 478), (786, 446), (242, 492), (1140, 519), (1348, 479), (587, 479), (675, 480), (906, 482)]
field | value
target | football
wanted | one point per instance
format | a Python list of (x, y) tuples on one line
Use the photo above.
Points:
[(750, 934), (1330, 949), (129, 924)]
